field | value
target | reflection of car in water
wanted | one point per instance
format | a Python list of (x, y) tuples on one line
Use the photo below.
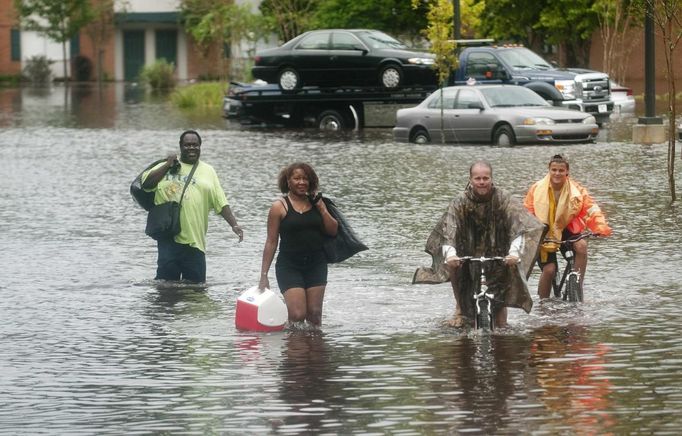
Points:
[(497, 114), (339, 57)]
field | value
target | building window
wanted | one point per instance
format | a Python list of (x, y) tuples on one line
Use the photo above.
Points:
[(15, 42)]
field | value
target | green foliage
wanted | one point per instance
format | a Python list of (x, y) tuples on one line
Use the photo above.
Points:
[(569, 23), (9, 79), (159, 75), (289, 18), (396, 17), (37, 70), (215, 21), (208, 95), (439, 33), (59, 20)]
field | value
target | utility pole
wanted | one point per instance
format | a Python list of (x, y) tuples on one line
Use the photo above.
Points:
[(457, 20), (649, 128)]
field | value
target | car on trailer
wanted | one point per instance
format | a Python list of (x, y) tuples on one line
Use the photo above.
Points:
[(344, 57)]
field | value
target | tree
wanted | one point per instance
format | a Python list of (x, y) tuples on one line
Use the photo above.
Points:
[(220, 22), (513, 20), (439, 32), (59, 20), (570, 24), (100, 30), (667, 17), (289, 18), (567, 23), (396, 17), (617, 19)]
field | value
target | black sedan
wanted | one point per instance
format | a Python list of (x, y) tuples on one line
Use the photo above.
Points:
[(339, 57)]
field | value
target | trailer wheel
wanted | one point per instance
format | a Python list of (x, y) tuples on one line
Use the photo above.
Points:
[(288, 79), (332, 121), (390, 76)]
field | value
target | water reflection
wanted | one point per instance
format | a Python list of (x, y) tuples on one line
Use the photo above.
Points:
[(570, 369)]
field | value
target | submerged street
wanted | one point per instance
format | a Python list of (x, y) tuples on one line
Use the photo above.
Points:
[(92, 345)]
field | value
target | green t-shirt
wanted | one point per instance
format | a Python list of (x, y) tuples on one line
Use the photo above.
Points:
[(203, 193)]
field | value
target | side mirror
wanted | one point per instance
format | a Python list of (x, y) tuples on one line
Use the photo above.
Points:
[(475, 105)]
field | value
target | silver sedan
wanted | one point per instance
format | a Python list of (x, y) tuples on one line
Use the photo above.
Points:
[(494, 114)]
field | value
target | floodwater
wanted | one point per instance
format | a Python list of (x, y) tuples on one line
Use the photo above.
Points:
[(91, 345)]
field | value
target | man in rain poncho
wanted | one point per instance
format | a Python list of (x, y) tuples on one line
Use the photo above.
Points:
[(484, 221)]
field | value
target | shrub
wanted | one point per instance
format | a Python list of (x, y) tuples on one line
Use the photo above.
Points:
[(207, 95), (38, 70), (159, 75)]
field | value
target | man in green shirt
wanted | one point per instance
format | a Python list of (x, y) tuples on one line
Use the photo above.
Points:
[(183, 256)]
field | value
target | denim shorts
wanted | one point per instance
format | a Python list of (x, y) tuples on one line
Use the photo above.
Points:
[(301, 270)]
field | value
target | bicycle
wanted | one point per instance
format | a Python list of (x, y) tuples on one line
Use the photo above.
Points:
[(573, 291), (485, 318)]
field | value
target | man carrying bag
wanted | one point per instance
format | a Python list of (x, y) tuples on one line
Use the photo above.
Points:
[(184, 193)]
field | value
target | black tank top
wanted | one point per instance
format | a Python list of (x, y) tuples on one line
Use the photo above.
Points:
[(301, 232)]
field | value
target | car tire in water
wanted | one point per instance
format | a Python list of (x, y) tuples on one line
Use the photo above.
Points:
[(420, 136), (390, 76), (504, 136), (288, 79), (573, 289), (333, 121)]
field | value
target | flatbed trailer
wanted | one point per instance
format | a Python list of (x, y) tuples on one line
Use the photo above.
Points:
[(325, 108)]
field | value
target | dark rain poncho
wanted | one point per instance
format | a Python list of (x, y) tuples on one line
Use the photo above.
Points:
[(477, 227)]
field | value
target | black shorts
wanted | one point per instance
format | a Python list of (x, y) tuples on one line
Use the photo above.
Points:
[(551, 257), (301, 270)]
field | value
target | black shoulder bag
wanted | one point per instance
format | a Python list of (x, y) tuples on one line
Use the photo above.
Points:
[(346, 243), (144, 198), (163, 221)]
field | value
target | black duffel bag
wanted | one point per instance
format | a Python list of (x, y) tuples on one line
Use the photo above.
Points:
[(143, 198), (346, 243)]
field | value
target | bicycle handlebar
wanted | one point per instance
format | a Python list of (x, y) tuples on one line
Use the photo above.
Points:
[(574, 238), (481, 258)]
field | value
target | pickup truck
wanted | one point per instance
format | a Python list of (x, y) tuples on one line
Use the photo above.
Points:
[(581, 89)]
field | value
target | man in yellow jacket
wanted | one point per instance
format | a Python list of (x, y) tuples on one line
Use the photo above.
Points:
[(567, 209)]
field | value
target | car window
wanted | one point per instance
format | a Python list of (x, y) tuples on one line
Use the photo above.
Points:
[(465, 98), (379, 40), (511, 96), (523, 59), (482, 65), (448, 100), (315, 41), (346, 41)]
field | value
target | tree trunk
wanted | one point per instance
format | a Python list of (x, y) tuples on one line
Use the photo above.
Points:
[(66, 77)]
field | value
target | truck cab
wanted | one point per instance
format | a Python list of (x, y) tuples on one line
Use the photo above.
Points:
[(584, 90)]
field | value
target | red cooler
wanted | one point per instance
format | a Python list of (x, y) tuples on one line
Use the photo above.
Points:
[(262, 311)]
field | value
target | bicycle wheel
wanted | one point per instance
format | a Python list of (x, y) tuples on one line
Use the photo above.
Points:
[(484, 318), (573, 289)]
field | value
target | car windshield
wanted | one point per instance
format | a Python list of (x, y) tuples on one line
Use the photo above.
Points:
[(376, 39), (512, 96), (523, 59)]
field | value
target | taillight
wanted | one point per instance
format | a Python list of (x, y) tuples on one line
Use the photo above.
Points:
[(629, 90), (257, 60)]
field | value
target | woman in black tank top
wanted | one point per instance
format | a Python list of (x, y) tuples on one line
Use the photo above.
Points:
[(299, 222)]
